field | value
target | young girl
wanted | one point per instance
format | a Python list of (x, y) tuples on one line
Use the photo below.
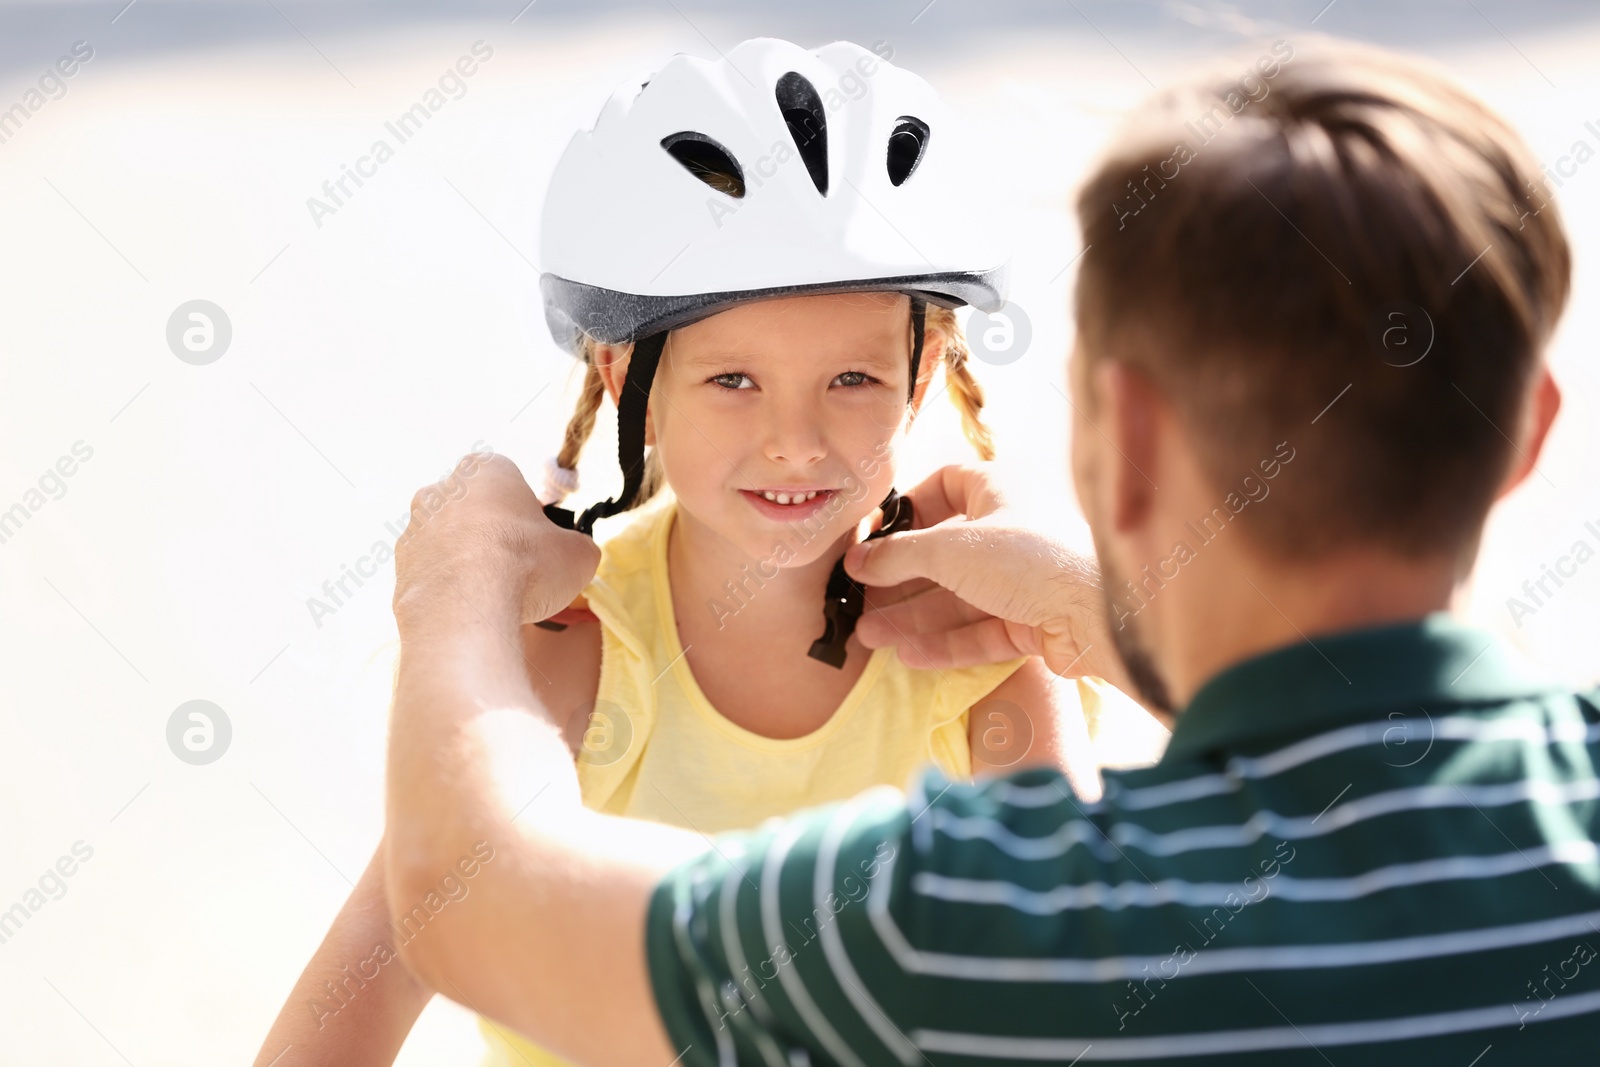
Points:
[(762, 279)]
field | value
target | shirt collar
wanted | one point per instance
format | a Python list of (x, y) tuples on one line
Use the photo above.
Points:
[(1353, 676)]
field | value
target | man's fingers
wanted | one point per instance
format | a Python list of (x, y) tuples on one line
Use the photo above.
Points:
[(1024, 593), (996, 569), (882, 595), (914, 554), (955, 491), (927, 612), (950, 493), (564, 567), (480, 532), (988, 641)]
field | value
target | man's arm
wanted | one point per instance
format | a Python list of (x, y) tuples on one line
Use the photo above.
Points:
[(548, 935)]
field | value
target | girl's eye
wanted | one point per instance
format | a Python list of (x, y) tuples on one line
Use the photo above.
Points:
[(854, 379), (735, 380)]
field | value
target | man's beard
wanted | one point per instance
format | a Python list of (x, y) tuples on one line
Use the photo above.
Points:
[(1147, 679)]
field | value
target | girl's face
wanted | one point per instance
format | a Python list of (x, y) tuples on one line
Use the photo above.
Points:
[(776, 422)]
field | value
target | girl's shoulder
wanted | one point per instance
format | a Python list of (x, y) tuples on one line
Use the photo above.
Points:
[(564, 665), (633, 545), (626, 583), (564, 669)]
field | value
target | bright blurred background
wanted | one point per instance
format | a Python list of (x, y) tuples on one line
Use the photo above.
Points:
[(369, 351)]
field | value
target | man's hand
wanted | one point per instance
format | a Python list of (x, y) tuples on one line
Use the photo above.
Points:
[(481, 536), (971, 588)]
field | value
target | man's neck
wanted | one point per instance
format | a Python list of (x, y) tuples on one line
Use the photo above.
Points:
[(1245, 607)]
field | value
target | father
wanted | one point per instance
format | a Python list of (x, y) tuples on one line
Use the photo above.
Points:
[(1374, 829)]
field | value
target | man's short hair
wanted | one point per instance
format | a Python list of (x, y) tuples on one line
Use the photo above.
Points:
[(1336, 247)]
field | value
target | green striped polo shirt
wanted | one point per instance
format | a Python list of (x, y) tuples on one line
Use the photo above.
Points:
[(1377, 848)]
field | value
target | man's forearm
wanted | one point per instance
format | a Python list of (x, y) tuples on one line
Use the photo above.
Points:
[(470, 743), (478, 768)]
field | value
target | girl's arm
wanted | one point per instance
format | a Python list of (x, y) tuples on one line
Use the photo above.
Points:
[(1036, 709), (340, 1011), (356, 1001)]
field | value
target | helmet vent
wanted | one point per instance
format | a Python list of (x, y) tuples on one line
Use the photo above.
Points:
[(706, 160), (808, 125), (907, 144)]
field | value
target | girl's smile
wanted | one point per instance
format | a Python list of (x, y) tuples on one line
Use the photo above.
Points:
[(788, 505)]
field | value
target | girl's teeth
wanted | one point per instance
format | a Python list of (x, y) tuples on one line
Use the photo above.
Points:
[(787, 498)]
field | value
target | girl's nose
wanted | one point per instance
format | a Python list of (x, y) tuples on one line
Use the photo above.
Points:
[(794, 434)]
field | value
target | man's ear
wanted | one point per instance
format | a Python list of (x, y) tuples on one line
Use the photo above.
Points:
[(1544, 401), (1129, 416)]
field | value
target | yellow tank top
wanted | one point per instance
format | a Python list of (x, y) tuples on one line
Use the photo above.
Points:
[(657, 749)]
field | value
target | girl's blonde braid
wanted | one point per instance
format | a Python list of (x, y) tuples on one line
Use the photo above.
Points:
[(581, 426), (965, 392)]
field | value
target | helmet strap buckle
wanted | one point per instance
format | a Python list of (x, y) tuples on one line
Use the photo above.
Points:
[(846, 598)]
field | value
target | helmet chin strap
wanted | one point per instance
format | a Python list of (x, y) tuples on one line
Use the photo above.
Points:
[(919, 315), (631, 407), (845, 599)]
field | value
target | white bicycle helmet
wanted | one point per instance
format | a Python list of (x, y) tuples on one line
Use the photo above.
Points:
[(772, 172)]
